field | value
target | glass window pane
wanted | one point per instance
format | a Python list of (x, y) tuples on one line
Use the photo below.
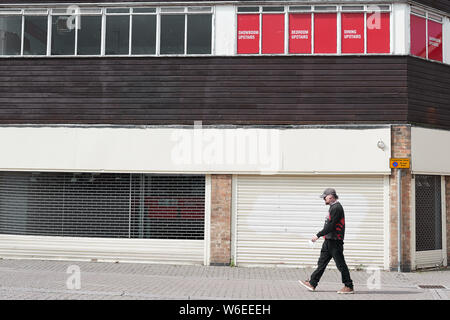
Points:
[(172, 34), (325, 33), (63, 38), (10, 35), (248, 9), (352, 8), (199, 9), (35, 35), (90, 35), (144, 10), (172, 9), (273, 9), (418, 36), (300, 8), (199, 34), (118, 10), (435, 51), (144, 35), (117, 34), (378, 33), (272, 33), (35, 11), (325, 8)]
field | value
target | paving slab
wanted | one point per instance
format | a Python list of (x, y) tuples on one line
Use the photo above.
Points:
[(74, 280)]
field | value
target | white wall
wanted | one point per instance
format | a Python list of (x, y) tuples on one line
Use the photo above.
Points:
[(225, 28), (401, 34), (160, 150), (446, 40), (430, 151)]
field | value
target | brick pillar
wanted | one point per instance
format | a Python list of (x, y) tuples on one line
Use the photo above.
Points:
[(220, 242), (401, 148), (447, 201)]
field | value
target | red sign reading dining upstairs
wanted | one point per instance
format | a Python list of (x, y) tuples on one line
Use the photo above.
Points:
[(352, 34)]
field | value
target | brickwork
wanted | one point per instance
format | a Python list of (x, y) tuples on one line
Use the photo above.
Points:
[(220, 242), (401, 148)]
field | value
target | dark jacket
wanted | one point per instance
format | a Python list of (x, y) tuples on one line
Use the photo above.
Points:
[(334, 228)]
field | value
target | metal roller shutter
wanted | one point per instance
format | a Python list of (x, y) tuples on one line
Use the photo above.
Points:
[(277, 215), (108, 217)]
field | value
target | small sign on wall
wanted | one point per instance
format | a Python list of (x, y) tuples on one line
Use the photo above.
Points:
[(399, 163)]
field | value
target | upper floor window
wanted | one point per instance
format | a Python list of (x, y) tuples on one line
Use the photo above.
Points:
[(320, 29), (426, 34), (83, 31)]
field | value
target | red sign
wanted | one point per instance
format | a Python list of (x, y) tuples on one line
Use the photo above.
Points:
[(418, 36), (434, 40), (248, 33), (352, 32), (273, 33), (325, 33), (378, 32), (174, 207), (300, 33)]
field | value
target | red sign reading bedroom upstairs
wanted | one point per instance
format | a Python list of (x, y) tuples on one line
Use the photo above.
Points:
[(300, 33)]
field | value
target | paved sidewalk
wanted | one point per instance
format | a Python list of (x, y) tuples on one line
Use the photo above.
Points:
[(50, 280)]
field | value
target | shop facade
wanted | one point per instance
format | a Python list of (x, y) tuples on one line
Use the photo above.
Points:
[(208, 138)]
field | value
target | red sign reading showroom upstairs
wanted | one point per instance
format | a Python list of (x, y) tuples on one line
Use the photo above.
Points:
[(248, 33)]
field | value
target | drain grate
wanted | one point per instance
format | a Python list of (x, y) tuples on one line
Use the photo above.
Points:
[(431, 286)]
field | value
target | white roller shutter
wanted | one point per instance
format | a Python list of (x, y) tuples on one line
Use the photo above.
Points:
[(277, 215), (168, 251)]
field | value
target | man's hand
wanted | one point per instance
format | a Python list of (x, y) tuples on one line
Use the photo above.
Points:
[(314, 239)]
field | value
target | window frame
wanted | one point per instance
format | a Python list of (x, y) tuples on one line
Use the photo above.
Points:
[(158, 28), (35, 14), (11, 12), (428, 16), (317, 9), (104, 12)]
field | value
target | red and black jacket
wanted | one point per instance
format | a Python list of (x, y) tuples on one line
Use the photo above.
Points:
[(334, 228)]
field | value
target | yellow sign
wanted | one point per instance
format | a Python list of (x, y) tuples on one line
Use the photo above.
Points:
[(399, 163)]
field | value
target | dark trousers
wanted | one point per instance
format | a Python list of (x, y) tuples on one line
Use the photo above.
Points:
[(332, 249)]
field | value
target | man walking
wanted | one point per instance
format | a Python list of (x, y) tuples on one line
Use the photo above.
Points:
[(333, 246)]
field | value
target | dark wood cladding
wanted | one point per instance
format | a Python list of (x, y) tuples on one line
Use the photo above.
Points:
[(215, 90), (428, 93), (443, 5)]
